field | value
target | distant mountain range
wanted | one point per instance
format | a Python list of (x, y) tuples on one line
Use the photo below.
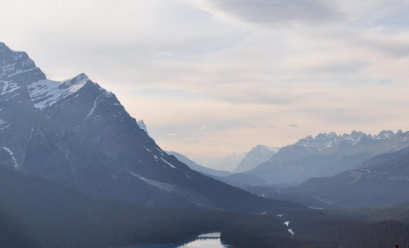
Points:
[(312, 157), (327, 155), (238, 163), (247, 161), (192, 165), (78, 134), (256, 156), (196, 167), (229, 163), (381, 181), (237, 179)]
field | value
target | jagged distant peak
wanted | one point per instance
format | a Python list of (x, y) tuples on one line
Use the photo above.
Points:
[(330, 139), (142, 125), (356, 134), (236, 155), (262, 149), (385, 134), (267, 148), (326, 135), (263, 146), (257, 155)]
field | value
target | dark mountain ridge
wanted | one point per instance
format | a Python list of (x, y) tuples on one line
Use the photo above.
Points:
[(37, 212)]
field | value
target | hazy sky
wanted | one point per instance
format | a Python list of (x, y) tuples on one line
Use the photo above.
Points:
[(211, 77)]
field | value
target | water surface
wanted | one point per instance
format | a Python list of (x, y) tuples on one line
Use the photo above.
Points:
[(208, 240)]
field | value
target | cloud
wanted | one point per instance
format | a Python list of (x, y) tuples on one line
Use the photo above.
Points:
[(293, 125), (272, 12), (395, 46), (346, 67), (203, 128), (228, 64)]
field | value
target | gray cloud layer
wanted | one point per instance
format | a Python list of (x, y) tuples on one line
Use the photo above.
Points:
[(279, 11)]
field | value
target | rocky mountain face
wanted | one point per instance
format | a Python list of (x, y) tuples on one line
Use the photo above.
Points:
[(78, 134), (256, 156), (40, 143), (327, 155)]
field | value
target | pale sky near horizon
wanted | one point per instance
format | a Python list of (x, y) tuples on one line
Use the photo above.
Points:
[(212, 77)]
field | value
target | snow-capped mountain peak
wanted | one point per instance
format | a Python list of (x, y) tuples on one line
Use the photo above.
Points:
[(45, 93), (327, 140), (266, 149), (385, 134), (324, 141)]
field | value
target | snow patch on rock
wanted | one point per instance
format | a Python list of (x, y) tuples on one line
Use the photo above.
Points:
[(171, 165), (8, 87), (45, 93), (12, 156)]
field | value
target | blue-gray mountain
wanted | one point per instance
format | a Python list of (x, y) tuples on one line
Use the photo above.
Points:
[(228, 163), (380, 181), (192, 165), (196, 167), (327, 155), (237, 180), (256, 156), (78, 134)]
